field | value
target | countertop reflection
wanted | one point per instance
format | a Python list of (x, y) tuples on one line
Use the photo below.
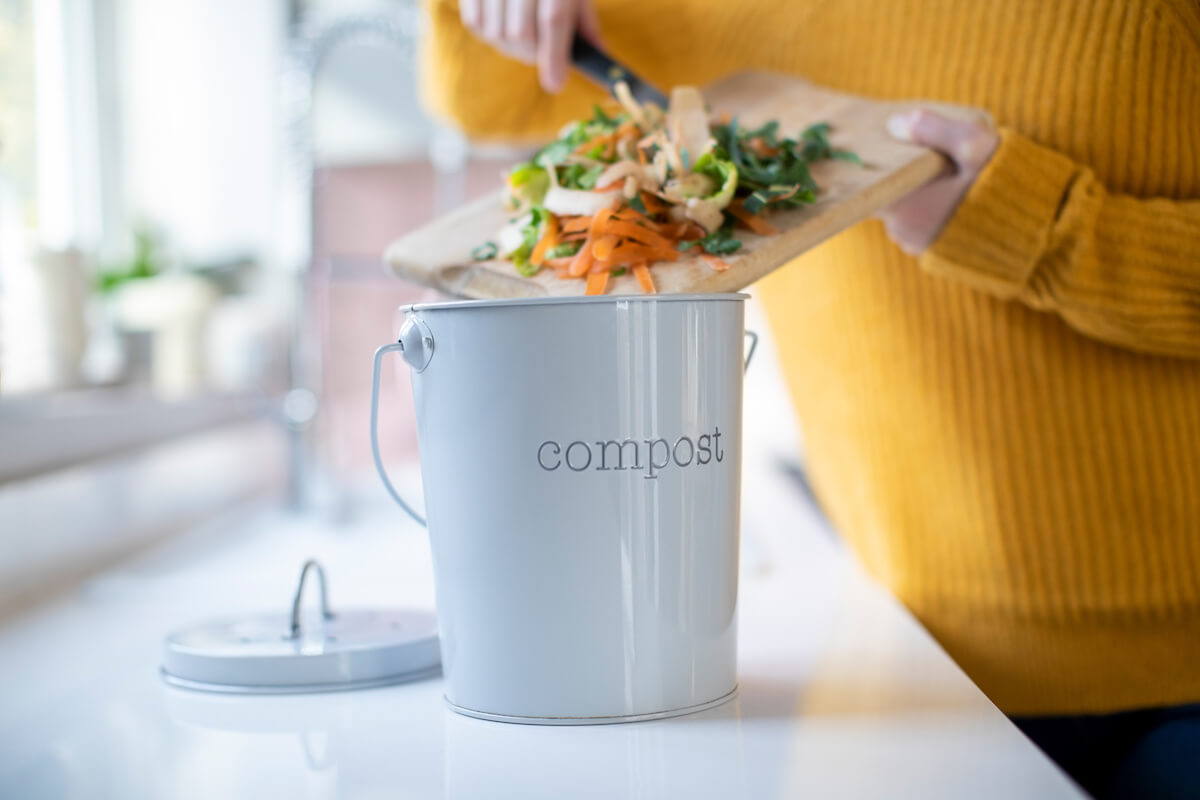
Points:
[(842, 693)]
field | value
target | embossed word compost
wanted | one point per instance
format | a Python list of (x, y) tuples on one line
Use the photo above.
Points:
[(651, 456)]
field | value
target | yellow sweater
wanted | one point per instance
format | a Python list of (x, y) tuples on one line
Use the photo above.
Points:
[(1006, 429)]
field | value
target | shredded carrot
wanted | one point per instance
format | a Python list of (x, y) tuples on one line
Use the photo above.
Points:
[(617, 184), (683, 231), (631, 215), (632, 230), (754, 223), (621, 237), (582, 260), (599, 223), (653, 204), (642, 273), (632, 251), (596, 282), (605, 139), (549, 239), (603, 247), (577, 224)]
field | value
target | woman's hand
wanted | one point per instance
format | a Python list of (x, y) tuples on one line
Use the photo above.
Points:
[(915, 221), (534, 31)]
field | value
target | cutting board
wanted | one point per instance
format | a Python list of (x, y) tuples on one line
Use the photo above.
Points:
[(438, 254)]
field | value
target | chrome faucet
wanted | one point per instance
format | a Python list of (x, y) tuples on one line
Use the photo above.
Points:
[(308, 49)]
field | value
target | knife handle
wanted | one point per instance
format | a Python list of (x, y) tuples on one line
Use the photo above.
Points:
[(601, 68), (595, 63)]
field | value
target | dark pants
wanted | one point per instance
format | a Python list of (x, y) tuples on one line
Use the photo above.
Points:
[(1147, 754)]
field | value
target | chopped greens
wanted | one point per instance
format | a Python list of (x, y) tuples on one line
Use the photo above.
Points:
[(600, 118), (690, 182), (530, 233), (588, 179), (720, 242), (577, 176), (774, 171), (484, 251), (564, 250), (816, 146)]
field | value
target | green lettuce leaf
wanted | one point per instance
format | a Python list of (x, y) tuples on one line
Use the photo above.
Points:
[(528, 183), (724, 174)]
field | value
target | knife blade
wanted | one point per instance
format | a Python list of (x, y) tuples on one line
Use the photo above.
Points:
[(602, 69)]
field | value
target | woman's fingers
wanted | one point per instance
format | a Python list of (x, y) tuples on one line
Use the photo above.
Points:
[(469, 10), (507, 25), (521, 24), (589, 24), (534, 31), (968, 144), (915, 221), (556, 27), (493, 21)]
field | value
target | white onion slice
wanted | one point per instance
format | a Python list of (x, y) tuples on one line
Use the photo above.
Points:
[(569, 202), (705, 212), (619, 170), (645, 176), (689, 123), (626, 99), (676, 213), (510, 238)]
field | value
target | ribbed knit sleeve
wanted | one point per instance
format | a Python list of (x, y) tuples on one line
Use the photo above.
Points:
[(1040, 228)]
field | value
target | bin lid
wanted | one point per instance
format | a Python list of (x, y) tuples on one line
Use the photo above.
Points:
[(277, 653)]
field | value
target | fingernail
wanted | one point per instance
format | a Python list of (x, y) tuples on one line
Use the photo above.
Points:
[(900, 126)]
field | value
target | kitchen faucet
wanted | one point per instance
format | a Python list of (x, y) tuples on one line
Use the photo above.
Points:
[(308, 49)]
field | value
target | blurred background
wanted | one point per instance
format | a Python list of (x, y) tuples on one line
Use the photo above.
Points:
[(194, 200)]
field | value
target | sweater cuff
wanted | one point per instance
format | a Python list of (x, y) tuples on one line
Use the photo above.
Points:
[(1000, 230)]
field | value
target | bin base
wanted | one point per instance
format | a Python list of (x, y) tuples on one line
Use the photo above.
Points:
[(677, 712)]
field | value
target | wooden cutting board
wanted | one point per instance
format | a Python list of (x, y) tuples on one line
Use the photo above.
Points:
[(438, 254)]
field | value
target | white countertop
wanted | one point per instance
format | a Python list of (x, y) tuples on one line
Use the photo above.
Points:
[(842, 693)]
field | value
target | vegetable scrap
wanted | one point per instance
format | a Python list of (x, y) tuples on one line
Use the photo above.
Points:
[(621, 192)]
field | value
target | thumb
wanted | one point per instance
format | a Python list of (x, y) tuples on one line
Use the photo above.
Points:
[(969, 145)]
